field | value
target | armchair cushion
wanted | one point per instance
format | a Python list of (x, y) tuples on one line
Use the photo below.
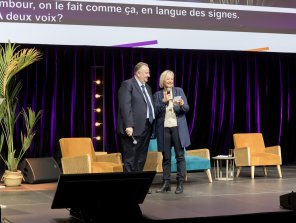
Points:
[(265, 159), (76, 147), (192, 162)]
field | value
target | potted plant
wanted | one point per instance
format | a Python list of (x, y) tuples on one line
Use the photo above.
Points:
[(12, 61)]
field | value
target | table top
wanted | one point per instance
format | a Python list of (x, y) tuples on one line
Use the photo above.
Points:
[(223, 157)]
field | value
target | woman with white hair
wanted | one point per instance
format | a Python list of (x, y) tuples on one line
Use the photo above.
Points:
[(170, 104)]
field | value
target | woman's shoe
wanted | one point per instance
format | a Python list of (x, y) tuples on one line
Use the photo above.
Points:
[(179, 189), (165, 187)]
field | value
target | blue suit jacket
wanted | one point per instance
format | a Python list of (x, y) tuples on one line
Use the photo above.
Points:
[(132, 107)]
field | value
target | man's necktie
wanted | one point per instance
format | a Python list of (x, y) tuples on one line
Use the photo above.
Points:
[(148, 103)]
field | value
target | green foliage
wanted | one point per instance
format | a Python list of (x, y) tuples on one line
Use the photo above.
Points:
[(11, 62)]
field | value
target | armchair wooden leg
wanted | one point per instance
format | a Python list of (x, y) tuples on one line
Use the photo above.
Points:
[(186, 176), (252, 171), (208, 172), (279, 170), (265, 171), (238, 171)]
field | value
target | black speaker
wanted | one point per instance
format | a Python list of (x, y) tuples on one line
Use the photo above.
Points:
[(103, 197), (288, 201), (40, 170)]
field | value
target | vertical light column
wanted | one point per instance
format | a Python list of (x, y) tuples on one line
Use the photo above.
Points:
[(98, 109)]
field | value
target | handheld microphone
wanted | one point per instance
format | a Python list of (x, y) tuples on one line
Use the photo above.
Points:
[(169, 91), (134, 140)]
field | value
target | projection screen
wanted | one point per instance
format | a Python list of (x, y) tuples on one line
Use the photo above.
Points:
[(203, 24)]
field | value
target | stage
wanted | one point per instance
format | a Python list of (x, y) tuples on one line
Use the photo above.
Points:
[(201, 201)]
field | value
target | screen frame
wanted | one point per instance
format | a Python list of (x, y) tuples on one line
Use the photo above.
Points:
[(158, 31)]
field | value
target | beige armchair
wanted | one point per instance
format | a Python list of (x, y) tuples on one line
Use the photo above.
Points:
[(249, 150), (79, 156)]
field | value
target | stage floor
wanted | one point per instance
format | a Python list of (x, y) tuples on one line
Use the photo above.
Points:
[(30, 203)]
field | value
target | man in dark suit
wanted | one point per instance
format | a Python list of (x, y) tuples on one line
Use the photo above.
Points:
[(135, 117)]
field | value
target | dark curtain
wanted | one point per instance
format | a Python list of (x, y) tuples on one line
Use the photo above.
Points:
[(228, 92)]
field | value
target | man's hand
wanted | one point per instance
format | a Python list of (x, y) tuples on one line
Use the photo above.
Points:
[(129, 131)]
